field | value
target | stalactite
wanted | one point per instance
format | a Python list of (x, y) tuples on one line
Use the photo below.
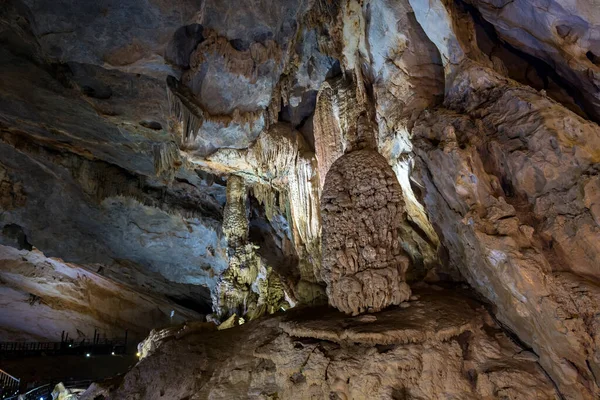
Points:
[(283, 163), (268, 196), (303, 189), (190, 116), (182, 107), (339, 127), (166, 158)]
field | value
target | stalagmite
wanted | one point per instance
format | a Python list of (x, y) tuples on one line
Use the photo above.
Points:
[(362, 210), (281, 160), (247, 288)]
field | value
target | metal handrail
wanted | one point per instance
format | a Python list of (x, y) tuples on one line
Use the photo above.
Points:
[(2, 372), (46, 389), (10, 383), (35, 393)]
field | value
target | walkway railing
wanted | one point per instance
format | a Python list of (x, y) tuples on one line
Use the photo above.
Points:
[(65, 346), (9, 385), (45, 391)]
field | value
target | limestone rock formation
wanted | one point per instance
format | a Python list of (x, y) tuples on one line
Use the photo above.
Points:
[(236, 158), (336, 122), (362, 209), (442, 345), (517, 160), (41, 297), (499, 236), (248, 287), (565, 36), (282, 170)]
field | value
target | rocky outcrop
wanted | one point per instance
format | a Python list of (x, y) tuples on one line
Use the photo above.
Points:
[(561, 33), (496, 181), (41, 298), (442, 344), (95, 212), (362, 210), (84, 33)]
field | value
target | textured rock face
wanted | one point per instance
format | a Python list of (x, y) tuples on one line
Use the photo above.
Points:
[(406, 65), (201, 150), (362, 210), (486, 196), (336, 122), (42, 297), (566, 35), (391, 355), (506, 173), (92, 174)]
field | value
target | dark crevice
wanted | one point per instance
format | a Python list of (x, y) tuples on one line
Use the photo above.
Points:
[(384, 348), (13, 234), (240, 44), (202, 306), (182, 45), (593, 57), (274, 245), (527, 69), (335, 70)]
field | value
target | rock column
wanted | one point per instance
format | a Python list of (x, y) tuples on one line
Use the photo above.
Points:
[(362, 208)]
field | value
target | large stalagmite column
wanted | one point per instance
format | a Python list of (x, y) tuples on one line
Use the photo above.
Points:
[(233, 294), (248, 287), (362, 209)]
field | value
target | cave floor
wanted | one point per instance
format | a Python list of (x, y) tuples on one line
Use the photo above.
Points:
[(433, 314), (441, 344)]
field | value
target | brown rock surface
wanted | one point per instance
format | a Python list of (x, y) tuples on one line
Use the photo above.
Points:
[(362, 210), (505, 184), (41, 297), (563, 34), (470, 360)]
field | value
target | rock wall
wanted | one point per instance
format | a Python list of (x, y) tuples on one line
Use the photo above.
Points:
[(565, 36), (41, 297), (484, 193)]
